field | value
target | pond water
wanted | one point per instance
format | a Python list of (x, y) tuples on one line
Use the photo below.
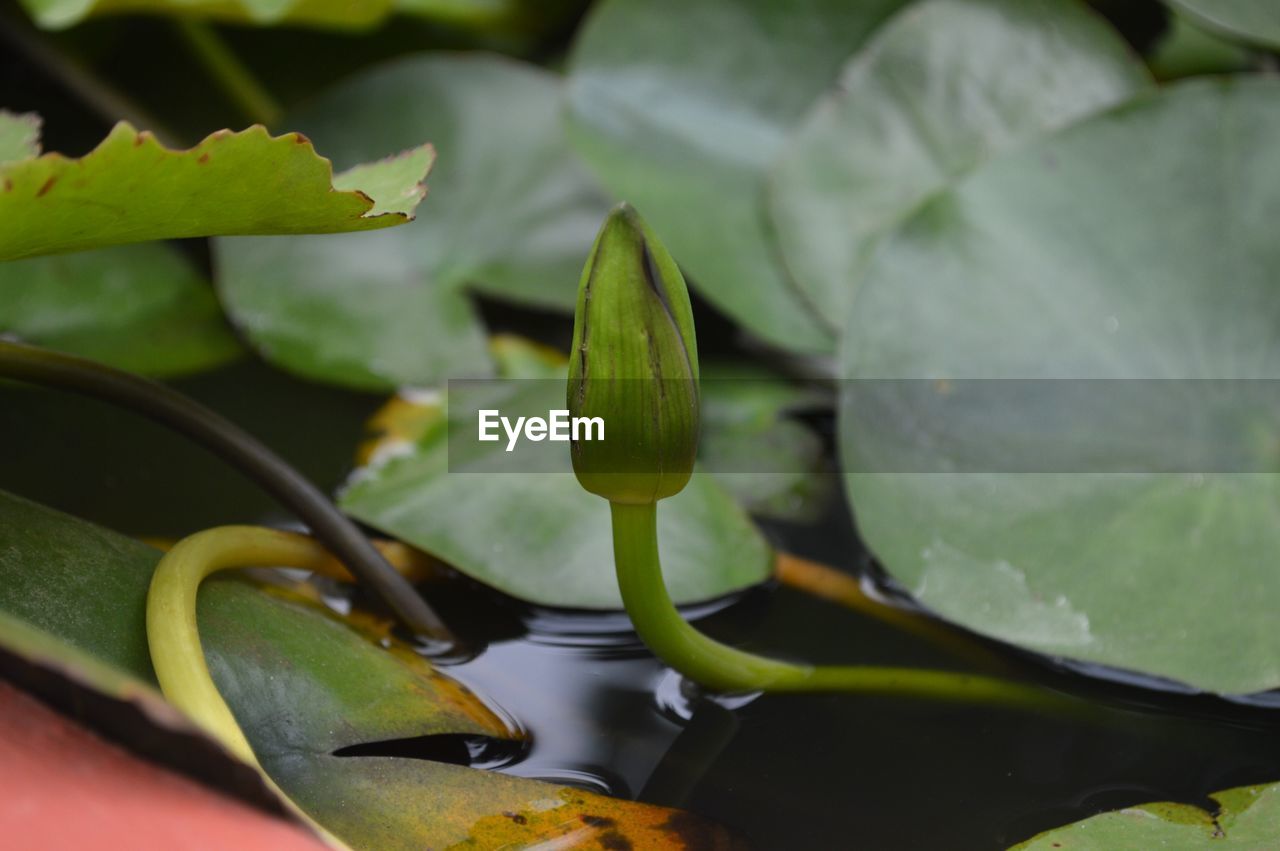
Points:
[(814, 771)]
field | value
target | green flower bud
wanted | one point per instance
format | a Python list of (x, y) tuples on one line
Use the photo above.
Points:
[(634, 365)]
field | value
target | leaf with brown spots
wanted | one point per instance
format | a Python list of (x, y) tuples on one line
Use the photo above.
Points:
[(133, 189)]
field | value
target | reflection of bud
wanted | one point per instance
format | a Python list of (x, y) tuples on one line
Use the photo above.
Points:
[(635, 365)]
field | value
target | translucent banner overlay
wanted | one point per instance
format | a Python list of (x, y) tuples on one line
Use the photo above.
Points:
[(1131, 426)]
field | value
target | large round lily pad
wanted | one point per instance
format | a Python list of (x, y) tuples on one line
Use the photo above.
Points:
[(1104, 252)]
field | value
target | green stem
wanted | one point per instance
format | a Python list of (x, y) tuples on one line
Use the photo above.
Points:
[(236, 446), (235, 78), (726, 669)]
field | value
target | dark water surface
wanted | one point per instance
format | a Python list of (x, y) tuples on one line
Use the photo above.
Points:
[(815, 771)]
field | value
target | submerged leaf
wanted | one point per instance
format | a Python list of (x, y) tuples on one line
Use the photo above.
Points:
[(941, 89), (1100, 253), (1245, 820), (304, 685), (133, 189), (512, 215), (531, 533), (139, 307), (680, 108)]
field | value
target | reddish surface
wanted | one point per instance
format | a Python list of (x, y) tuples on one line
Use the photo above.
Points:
[(63, 787)]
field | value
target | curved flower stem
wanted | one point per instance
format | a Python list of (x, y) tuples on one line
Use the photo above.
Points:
[(172, 631), (726, 669), (173, 634), (236, 446), (236, 80)]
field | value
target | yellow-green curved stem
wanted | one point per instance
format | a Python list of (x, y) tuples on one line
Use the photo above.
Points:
[(172, 632), (721, 668)]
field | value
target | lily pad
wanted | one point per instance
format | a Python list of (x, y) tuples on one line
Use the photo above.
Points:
[(304, 685), (512, 215), (1246, 818), (681, 108), (133, 189), (941, 89), (139, 307), (531, 533), (1252, 21), (1098, 253)]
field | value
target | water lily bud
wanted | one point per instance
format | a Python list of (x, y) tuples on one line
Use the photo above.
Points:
[(634, 365)]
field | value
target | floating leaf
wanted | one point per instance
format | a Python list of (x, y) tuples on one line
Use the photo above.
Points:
[(1252, 21), (533, 534), (680, 109), (941, 89), (304, 685), (1100, 253), (137, 307), (133, 189), (512, 215), (1245, 820), (327, 14)]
